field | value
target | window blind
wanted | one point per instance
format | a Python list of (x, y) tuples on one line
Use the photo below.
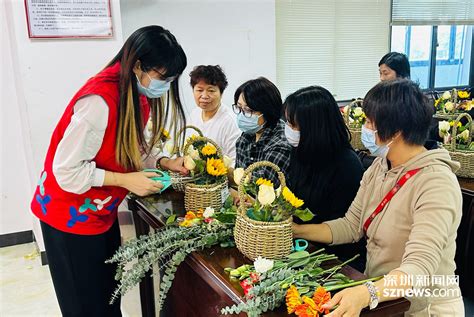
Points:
[(432, 12), (334, 44)]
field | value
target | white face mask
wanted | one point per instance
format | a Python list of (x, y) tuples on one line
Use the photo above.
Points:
[(293, 136)]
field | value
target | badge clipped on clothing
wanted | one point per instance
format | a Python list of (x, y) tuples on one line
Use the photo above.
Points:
[(300, 245)]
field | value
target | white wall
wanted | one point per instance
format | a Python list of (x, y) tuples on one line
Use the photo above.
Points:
[(40, 81), (238, 35)]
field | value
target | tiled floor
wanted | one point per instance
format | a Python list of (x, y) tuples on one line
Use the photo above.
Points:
[(26, 288)]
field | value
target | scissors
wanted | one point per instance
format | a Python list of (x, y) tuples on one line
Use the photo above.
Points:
[(300, 245), (165, 178)]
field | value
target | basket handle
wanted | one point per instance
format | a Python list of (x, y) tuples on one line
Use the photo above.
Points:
[(349, 108), (177, 146), (205, 139), (248, 171), (455, 129)]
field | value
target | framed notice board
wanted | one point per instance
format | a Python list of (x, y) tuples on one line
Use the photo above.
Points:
[(69, 18)]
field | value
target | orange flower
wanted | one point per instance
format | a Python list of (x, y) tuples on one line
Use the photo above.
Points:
[(321, 297), (190, 215), (293, 299), (307, 309)]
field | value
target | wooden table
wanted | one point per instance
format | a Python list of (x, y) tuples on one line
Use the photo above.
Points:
[(201, 287)]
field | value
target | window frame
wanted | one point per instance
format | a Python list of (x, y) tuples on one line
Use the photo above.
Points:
[(432, 62)]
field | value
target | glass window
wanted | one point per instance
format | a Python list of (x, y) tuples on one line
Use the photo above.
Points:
[(453, 53)]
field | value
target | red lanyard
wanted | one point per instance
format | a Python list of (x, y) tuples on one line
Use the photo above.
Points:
[(389, 196)]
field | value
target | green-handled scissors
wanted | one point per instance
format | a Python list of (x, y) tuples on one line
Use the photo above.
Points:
[(165, 178)]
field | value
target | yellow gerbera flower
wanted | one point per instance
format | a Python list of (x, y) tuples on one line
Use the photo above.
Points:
[(209, 149), (291, 198), (264, 181), (216, 167)]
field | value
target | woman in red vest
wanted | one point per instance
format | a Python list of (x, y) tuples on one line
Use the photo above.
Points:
[(94, 159)]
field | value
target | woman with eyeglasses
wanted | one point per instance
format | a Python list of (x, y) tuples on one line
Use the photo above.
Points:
[(214, 119), (258, 106), (94, 160), (324, 169)]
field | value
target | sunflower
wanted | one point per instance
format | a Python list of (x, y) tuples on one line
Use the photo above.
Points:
[(263, 181), (291, 198), (463, 94), (209, 149), (216, 167)]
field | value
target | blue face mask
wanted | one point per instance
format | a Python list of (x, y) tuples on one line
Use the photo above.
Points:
[(248, 125), (155, 89), (368, 139)]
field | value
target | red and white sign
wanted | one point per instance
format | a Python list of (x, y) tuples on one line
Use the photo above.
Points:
[(69, 18)]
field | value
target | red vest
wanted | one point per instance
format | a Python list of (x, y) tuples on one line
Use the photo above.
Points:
[(94, 211)]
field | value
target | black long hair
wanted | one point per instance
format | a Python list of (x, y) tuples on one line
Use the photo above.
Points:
[(323, 135), (398, 62), (156, 48)]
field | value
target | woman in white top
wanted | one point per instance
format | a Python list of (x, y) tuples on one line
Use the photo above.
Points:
[(215, 120)]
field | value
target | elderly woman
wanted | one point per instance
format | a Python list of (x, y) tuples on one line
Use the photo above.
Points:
[(394, 65), (258, 106), (408, 207), (214, 119)]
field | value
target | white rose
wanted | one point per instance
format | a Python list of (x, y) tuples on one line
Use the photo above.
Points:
[(209, 212), (358, 111), (446, 95), (444, 126), (262, 265), (238, 174), (449, 106), (345, 109), (266, 194), (464, 135), (227, 161), (189, 163), (193, 153)]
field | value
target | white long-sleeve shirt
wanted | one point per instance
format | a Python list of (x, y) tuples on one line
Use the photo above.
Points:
[(73, 164), (222, 129)]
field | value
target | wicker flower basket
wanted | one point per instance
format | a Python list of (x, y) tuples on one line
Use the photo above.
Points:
[(356, 132), (179, 181), (464, 157), (272, 240), (203, 196), (442, 114)]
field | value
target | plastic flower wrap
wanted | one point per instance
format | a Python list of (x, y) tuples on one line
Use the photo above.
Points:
[(273, 205), (204, 161)]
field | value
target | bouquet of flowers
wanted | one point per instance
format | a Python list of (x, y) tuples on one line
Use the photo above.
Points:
[(355, 116), (205, 161), (271, 205), (299, 280), (454, 101), (169, 246), (445, 129)]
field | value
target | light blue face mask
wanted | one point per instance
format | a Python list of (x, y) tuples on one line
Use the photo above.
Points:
[(368, 139), (248, 125), (155, 89)]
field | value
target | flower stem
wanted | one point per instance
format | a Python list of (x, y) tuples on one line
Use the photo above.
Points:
[(355, 283)]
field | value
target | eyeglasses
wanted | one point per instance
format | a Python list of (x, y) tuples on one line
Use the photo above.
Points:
[(247, 112)]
